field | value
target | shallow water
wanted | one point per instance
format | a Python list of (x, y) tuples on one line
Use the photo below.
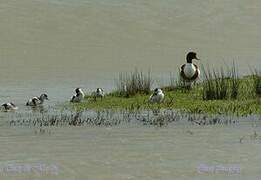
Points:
[(132, 151), (54, 46)]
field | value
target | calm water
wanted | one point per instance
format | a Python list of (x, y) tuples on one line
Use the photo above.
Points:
[(54, 46), (132, 151), (57, 45)]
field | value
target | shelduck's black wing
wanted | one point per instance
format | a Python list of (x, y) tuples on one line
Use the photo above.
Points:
[(73, 98), (13, 104), (182, 74)]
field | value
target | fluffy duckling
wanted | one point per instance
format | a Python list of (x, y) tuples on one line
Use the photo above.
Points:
[(157, 96), (79, 96), (99, 93), (190, 72), (35, 101), (9, 106)]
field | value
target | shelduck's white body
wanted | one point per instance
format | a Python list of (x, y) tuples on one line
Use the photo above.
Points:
[(157, 96), (189, 70)]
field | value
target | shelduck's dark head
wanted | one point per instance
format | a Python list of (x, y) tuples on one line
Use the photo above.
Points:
[(157, 91), (5, 105), (44, 97), (77, 90), (191, 56)]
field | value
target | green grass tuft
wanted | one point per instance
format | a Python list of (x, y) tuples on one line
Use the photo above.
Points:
[(257, 82), (130, 84)]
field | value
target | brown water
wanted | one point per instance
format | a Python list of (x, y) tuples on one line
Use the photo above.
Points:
[(54, 46)]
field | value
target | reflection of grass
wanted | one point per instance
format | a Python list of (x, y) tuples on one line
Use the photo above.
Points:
[(190, 101), (113, 118)]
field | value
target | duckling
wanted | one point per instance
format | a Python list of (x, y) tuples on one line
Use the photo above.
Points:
[(35, 101), (190, 72), (98, 93), (79, 96), (9, 106), (157, 96)]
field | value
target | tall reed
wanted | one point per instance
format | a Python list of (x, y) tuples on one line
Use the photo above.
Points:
[(130, 84), (221, 84), (215, 85), (234, 82), (257, 82)]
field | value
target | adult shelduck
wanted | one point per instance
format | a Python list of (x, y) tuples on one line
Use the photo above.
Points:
[(99, 93), (9, 106), (157, 96), (190, 72), (79, 96), (35, 101)]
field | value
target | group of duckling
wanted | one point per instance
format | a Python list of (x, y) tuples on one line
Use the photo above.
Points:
[(189, 73), (79, 96), (156, 97), (34, 101), (37, 101)]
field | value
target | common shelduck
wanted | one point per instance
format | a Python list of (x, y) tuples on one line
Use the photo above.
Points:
[(157, 96), (99, 93), (79, 96), (35, 101), (9, 106), (190, 72)]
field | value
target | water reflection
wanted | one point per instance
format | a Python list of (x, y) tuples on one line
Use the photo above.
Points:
[(40, 109), (41, 116)]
